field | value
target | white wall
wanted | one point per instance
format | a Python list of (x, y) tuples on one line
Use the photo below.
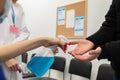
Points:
[(41, 21)]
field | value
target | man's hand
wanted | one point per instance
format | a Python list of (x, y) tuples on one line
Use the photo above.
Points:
[(82, 47), (90, 55)]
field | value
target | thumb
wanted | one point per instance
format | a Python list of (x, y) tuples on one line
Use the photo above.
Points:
[(96, 51), (20, 68)]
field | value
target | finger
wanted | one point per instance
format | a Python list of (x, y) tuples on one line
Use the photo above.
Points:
[(19, 68), (12, 68), (98, 50), (85, 58), (73, 42), (77, 52), (73, 53), (69, 52), (15, 67), (92, 52), (56, 51)]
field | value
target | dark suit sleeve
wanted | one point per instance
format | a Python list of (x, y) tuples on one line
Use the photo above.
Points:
[(105, 36), (111, 51)]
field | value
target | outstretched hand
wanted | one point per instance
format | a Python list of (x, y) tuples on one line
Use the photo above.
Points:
[(90, 55), (82, 47)]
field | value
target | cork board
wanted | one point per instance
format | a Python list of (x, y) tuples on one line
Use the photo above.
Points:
[(72, 20)]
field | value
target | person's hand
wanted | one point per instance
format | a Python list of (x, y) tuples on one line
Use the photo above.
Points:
[(82, 47), (13, 65), (53, 42), (90, 55)]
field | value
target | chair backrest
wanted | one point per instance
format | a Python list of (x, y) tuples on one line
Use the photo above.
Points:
[(105, 72), (24, 57), (59, 64), (80, 68), (57, 69)]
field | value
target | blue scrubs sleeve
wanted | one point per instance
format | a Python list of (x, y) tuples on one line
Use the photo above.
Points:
[(2, 76)]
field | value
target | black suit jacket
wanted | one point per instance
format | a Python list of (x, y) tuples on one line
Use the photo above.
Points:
[(108, 36)]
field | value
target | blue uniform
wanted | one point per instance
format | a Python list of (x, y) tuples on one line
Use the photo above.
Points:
[(2, 77)]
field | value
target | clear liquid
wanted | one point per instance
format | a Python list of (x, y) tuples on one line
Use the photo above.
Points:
[(40, 65)]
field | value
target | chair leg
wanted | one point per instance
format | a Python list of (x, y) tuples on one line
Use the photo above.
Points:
[(63, 76), (49, 73), (70, 76)]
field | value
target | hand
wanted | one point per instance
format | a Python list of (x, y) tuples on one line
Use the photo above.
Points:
[(13, 65), (54, 42), (54, 48), (83, 46), (90, 55)]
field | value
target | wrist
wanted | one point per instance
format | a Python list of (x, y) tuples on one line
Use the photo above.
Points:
[(91, 44)]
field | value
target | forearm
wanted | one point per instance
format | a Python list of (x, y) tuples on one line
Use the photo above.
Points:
[(107, 31), (15, 49)]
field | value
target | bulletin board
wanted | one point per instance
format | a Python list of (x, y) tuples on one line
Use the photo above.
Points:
[(72, 20)]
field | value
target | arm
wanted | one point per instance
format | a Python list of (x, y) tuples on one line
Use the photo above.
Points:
[(107, 34), (107, 31), (15, 49)]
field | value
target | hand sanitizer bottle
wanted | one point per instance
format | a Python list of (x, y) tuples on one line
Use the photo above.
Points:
[(43, 60)]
